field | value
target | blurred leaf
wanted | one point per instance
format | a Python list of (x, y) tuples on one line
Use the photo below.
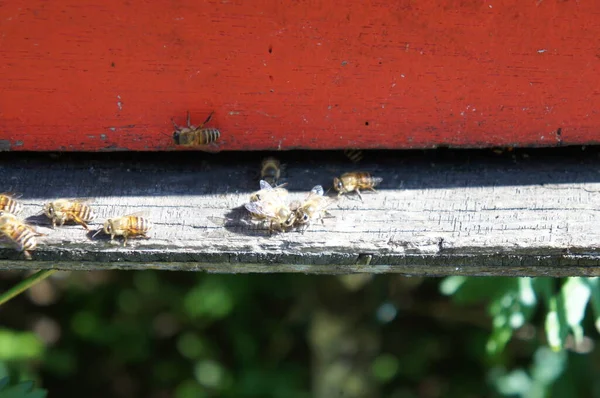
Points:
[(85, 323), (209, 374), (526, 292), (146, 282), (594, 284), (510, 310), (60, 362), (129, 301), (385, 367), (191, 346), (468, 290), (557, 327), (168, 371), (548, 365), (3, 372), (21, 390), (19, 345), (211, 298), (576, 294), (516, 382), (189, 389), (451, 284)]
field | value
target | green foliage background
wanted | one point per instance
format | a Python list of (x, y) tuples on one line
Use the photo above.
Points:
[(175, 334)]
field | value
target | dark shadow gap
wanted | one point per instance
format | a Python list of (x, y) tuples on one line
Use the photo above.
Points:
[(71, 174)]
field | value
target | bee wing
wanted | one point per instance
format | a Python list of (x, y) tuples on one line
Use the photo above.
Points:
[(141, 213), (265, 185), (376, 180), (317, 190), (82, 200), (295, 205), (261, 208)]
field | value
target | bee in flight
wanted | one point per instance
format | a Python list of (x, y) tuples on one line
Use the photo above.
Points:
[(127, 226), (195, 136), (354, 182), (267, 192), (63, 210), (22, 235), (355, 155), (314, 207), (9, 203), (270, 170)]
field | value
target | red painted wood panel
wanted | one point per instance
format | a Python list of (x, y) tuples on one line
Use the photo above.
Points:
[(110, 74)]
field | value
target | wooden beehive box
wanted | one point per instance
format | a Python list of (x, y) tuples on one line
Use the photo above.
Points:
[(109, 75), (279, 75)]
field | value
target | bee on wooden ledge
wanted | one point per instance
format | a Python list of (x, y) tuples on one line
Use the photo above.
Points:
[(61, 211), (130, 225), (355, 181), (21, 234)]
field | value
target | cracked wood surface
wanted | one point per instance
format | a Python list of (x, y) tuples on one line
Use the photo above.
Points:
[(432, 215)]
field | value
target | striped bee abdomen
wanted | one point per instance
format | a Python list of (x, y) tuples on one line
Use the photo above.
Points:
[(10, 205), (83, 211), (23, 237), (208, 135)]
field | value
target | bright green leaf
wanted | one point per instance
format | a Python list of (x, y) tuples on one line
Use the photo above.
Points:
[(526, 292), (19, 345), (576, 294), (556, 324)]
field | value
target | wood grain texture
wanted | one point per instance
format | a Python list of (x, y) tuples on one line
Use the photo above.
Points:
[(109, 75), (472, 216)]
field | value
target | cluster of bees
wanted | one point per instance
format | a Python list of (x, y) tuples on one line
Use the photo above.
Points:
[(269, 203), (24, 235)]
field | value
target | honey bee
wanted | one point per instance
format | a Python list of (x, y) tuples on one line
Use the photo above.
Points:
[(270, 170), (274, 210), (9, 203), (354, 182), (129, 225), (267, 192), (63, 210), (314, 207), (355, 155), (195, 136), (20, 233)]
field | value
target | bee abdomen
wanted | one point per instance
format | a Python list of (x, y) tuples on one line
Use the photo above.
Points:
[(209, 135), (141, 224), (355, 155), (84, 212), (367, 181), (25, 238), (10, 205)]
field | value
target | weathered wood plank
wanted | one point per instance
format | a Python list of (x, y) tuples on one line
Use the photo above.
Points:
[(432, 216)]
